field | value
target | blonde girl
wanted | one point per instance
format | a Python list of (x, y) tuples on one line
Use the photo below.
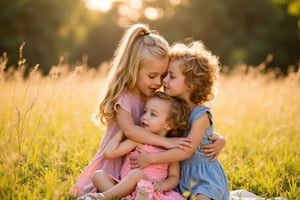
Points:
[(138, 67), (191, 76)]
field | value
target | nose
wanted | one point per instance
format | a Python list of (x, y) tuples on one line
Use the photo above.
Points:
[(143, 116), (165, 80), (158, 81)]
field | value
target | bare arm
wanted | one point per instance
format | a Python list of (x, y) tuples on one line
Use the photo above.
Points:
[(139, 134), (172, 180), (117, 147), (196, 134)]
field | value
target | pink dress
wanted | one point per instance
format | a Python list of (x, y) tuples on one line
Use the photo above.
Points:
[(112, 166), (155, 172)]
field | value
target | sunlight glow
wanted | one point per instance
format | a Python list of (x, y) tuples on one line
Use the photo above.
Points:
[(132, 10), (175, 2), (101, 5), (135, 4), (153, 13)]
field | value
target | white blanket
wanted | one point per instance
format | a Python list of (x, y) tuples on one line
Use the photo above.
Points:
[(245, 195)]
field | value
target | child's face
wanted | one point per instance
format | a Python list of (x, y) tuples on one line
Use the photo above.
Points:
[(174, 82), (149, 77), (155, 116)]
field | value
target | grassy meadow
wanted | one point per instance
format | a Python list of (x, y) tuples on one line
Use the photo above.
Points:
[(48, 136)]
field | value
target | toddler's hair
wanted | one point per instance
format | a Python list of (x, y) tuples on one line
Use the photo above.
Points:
[(200, 68), (137, 45), (178, 114)]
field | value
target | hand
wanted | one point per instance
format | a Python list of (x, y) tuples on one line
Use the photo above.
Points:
[(139, 161), (74, 191), (215, 148), (181, 143), (157, 186)]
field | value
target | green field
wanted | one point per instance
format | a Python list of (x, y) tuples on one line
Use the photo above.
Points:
[(47, 135)]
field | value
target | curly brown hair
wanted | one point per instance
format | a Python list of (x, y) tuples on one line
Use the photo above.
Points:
[(200, 68)]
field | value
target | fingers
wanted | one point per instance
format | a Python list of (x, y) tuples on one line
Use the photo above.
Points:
[(157, 186), (214, 158), (209, 154), (208, 148), (213, 155), (141, 151), (133, 163), (135, 166), (213, 137), (187, 143)]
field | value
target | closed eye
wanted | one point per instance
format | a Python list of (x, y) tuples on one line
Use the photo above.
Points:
[(153, 114), (172, 76)]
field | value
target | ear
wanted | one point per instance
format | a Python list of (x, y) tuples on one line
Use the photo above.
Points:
[(189, 87), (168, 127)]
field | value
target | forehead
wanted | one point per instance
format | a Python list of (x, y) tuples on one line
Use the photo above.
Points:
[(175, 65), (158, 104), (155, 65)]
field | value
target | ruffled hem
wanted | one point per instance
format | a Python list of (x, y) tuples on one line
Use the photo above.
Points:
[(147, 187)]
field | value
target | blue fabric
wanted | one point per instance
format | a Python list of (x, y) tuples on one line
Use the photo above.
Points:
[(198, 174)]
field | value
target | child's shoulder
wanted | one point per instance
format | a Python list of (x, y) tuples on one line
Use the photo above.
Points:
[(127, 95), (199, 111)]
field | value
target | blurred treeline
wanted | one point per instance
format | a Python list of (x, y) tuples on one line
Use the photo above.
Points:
[(239, 31)]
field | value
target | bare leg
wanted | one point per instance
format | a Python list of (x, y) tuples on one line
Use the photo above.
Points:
[(202, 197), (126, 186), (102, 181)]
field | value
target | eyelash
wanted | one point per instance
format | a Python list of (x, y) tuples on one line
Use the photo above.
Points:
[(151, 77), (152, 114)]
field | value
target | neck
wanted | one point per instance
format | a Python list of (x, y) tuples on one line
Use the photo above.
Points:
[(192, 105)]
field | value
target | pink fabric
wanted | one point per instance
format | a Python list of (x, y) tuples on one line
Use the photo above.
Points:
[(155, 172), (112, 166)]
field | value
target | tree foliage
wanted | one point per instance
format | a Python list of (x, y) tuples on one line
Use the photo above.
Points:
[(37, 23), (239, 31)]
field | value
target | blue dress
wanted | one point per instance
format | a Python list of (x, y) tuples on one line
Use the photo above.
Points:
[(198, 174)]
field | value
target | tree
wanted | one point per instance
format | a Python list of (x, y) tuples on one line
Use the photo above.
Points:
[(38, 24)]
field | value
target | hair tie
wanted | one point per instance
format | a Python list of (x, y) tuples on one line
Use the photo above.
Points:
[(143, 33)]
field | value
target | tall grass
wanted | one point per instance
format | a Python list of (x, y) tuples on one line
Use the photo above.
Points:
[(47, 136)]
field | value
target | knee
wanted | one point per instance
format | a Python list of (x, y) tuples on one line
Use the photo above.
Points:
[(97, 175)]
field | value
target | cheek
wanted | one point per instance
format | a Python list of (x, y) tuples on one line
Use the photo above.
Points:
[(145, 80), (173, 83)]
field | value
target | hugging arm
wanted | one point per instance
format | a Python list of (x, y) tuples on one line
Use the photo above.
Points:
[(139, 134), (172, 155), (215, 148), (118, 147), (171, 181)]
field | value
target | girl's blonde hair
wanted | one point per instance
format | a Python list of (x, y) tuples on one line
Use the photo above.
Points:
[(178, 114), (199, 67), (137, 45)]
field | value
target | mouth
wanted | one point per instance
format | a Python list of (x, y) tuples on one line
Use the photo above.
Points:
[(143, 124), (153, 90)]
